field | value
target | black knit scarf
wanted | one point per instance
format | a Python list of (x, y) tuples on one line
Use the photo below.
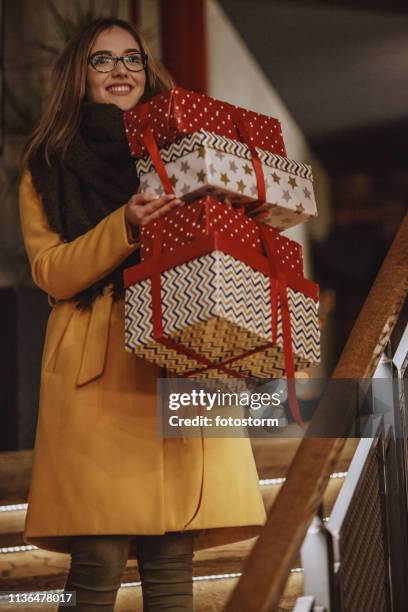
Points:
[(95, 177)]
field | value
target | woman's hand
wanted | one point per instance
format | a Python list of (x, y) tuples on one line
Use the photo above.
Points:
[(145, 207)]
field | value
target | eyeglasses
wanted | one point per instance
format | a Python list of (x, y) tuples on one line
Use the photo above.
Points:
[(135, 62)]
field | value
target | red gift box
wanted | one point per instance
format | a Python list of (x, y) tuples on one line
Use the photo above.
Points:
[(281, 279), (179, 111), (206, 216)]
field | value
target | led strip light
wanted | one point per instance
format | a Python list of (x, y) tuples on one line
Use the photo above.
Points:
[(13, 507), (127, 585), (279, 481), (14, 549)]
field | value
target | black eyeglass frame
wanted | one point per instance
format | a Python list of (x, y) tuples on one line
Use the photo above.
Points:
[(118, 58)]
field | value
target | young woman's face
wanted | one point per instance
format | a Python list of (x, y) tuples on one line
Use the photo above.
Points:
[(122, 87)]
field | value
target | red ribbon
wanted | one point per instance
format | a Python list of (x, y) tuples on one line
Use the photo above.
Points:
[(150, 143), (256, 162), (279, 293)]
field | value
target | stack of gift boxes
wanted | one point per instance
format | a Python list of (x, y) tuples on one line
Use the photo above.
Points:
[(219, 294)]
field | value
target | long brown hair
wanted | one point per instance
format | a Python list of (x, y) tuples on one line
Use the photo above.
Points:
[(62, 111)]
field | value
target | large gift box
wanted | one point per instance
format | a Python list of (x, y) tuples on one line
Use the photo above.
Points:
[(202, 218), (213, 308), (206, 163), (176, 112)]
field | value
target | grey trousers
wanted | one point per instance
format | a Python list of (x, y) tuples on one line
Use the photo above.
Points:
[(165, 567)]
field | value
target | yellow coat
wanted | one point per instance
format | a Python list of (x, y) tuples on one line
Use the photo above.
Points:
[(99, 466)]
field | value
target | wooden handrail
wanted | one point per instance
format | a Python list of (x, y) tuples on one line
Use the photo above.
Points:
[(268, 565)]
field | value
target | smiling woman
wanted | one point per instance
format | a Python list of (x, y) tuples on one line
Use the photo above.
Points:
[(116, 72)]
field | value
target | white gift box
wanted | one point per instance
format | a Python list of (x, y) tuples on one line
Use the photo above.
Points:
[(204, 163)]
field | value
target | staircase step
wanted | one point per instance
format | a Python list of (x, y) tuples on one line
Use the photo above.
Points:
[(273, 455), (210, 594), (40, 569)]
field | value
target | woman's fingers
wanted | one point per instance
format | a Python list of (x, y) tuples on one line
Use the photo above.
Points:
[(145, 207), (142, 198), (141, 206), (159, 203), (162, 210), (147, 203), (151, 202)]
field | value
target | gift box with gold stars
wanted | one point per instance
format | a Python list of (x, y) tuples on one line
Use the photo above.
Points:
[(206, 163)]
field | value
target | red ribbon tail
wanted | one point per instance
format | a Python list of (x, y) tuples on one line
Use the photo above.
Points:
[(150, 143), (289, 362), (200, 411), (293, 403), (279, 290)]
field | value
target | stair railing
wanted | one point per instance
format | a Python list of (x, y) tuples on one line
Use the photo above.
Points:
[(266, 570)]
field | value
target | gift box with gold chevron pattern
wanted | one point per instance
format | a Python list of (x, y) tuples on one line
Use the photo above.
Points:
[(206, 163), (213, 309)]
